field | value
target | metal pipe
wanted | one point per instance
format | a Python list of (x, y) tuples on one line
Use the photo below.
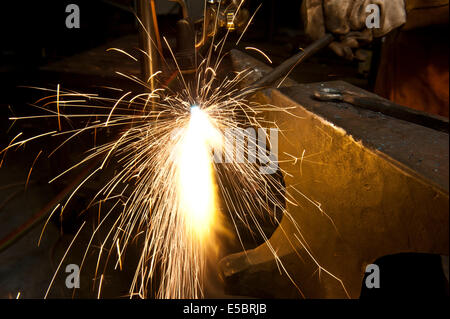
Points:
[(148, 39)]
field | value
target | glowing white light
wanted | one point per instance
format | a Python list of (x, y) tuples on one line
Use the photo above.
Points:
[(196, 185)]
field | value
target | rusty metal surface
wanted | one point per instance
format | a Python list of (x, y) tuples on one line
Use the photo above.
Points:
[(367, 186)]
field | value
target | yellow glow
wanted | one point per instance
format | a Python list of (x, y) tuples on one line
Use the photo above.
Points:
[(196, 184)]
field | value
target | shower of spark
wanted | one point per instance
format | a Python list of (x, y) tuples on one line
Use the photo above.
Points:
[(166, 184)]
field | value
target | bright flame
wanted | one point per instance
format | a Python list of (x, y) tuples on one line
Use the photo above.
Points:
[(196, 182)]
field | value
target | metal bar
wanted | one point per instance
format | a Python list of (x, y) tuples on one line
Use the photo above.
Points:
[(386, 107)]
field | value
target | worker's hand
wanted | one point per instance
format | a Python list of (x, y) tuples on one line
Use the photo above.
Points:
[(347, 20)]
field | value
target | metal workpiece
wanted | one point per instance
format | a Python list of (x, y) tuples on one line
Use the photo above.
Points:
[(366, 185)]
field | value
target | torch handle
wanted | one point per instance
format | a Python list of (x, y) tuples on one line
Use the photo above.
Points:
[(284, 68)]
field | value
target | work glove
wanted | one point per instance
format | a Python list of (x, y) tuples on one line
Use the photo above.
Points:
[(346, 19)]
